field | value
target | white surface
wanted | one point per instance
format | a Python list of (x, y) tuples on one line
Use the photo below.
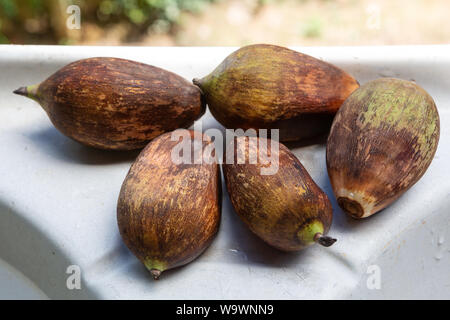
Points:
[(58, 199)]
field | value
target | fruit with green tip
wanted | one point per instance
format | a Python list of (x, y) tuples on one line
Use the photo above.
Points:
[(381, 142), (169, 213), (286, 209), (266, 86), (117, 104)]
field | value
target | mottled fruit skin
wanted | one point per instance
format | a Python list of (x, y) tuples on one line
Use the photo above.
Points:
[(267, 86), (286, 209), (382, 141), (169, 213), (118, 104)]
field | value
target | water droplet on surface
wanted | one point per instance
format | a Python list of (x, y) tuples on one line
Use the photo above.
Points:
[(438, 256), (239, 254), (441, 240)]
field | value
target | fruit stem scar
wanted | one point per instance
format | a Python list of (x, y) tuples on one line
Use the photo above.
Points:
[(351, 206), (325, 241)]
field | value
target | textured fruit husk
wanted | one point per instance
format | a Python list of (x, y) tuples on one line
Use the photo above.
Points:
[(286, 209), (267, 86), (168, 214), (111, 103), (382, 141)]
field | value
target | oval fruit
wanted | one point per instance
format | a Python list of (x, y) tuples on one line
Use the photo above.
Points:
[(169, 213), (381, 142), (267, 86), (286, 209), (111, 103)]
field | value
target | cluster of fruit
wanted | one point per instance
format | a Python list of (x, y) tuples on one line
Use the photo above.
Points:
[(383, 137)]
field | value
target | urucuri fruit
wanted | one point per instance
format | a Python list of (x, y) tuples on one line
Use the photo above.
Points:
[(381, 142), (267, 86), (111, 103), (168, 212), (285, 208)]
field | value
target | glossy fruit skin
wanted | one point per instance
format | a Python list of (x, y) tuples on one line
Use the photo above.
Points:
[(267, 86), (278, 207), (117, 104), (382, 141), (169, 213)]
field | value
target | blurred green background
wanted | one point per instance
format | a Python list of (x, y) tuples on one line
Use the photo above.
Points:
[(226, 22)]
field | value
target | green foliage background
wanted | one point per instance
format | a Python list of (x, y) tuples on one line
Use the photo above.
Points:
[(141, 14)]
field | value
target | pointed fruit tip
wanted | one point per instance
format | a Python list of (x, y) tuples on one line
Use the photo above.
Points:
[(325, 241), (196, 81), (21, 91), (155, 273)]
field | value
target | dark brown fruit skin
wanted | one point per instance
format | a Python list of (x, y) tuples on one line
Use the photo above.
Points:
[(276, 207), (382, 141), (118, 104), (267, 86), (168, 214)]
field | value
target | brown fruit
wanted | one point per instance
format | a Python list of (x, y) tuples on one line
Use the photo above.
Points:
[(111, 103), (267, 86), (286, 209), (169, 213), (381, 143)]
